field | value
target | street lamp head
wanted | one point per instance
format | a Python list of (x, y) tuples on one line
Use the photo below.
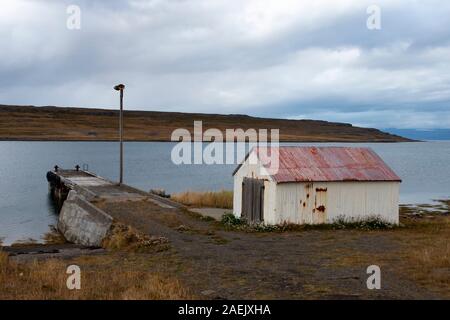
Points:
[(119, 87)]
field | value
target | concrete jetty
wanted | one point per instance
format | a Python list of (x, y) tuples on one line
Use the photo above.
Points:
[(90, 186), (76, 191)]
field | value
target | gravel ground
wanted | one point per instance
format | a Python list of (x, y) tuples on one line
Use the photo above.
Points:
[(314, 264)]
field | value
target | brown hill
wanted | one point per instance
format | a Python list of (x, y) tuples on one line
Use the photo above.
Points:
[(82, 124)]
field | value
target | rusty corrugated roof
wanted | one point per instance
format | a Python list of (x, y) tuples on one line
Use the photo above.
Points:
[(327, 164)]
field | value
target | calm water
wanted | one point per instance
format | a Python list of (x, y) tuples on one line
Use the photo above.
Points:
[(26, 210)]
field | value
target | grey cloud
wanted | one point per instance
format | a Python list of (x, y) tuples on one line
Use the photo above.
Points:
[(313, 59)]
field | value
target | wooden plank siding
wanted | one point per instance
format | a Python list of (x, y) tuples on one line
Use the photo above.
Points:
[(253, 200)]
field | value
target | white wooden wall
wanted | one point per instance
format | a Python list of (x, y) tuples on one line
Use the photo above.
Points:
[(350, 199)]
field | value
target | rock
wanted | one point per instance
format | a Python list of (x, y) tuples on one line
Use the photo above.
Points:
[(160, 192), (208, 292), (182, 228)]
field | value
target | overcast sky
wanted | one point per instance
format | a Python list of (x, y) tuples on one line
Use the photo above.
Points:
[(284, 58)]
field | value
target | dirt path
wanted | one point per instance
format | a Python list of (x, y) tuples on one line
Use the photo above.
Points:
[(325, 264)]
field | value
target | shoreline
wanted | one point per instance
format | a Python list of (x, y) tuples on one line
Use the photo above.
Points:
[(169, 141)]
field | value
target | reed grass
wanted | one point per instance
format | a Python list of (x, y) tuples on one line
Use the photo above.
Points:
[(212, 199)]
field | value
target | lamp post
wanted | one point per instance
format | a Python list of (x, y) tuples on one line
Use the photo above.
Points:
[(121, 87)]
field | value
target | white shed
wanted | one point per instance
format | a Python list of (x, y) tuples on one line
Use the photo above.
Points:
[(311, 185)]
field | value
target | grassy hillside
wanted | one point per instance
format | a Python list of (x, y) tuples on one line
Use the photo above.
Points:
[(66, 124)]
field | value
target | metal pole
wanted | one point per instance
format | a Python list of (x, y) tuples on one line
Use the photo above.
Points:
[(120, 87), (121, 137)]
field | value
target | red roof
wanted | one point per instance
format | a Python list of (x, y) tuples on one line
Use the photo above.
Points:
[(298, 164)]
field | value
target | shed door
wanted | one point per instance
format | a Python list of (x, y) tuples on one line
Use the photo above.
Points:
[(253, 200)]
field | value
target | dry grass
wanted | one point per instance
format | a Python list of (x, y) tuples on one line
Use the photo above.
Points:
[(124, 237), (220, 199), (423, 254), (47, 280), (428, 253), (435, 257)]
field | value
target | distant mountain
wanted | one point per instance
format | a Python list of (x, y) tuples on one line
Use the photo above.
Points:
[(421, 134), (81, 124)]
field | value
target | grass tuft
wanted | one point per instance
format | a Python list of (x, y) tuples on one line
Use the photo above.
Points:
[(230, 220), (124, 237), (369, 223)]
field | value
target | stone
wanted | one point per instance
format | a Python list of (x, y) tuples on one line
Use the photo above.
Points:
[(208, 292)]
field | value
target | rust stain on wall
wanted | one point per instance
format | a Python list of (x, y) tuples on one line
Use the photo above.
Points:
[(320, 202), (321, 208)]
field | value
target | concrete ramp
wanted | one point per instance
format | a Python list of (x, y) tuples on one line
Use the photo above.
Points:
[(82, 223)]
